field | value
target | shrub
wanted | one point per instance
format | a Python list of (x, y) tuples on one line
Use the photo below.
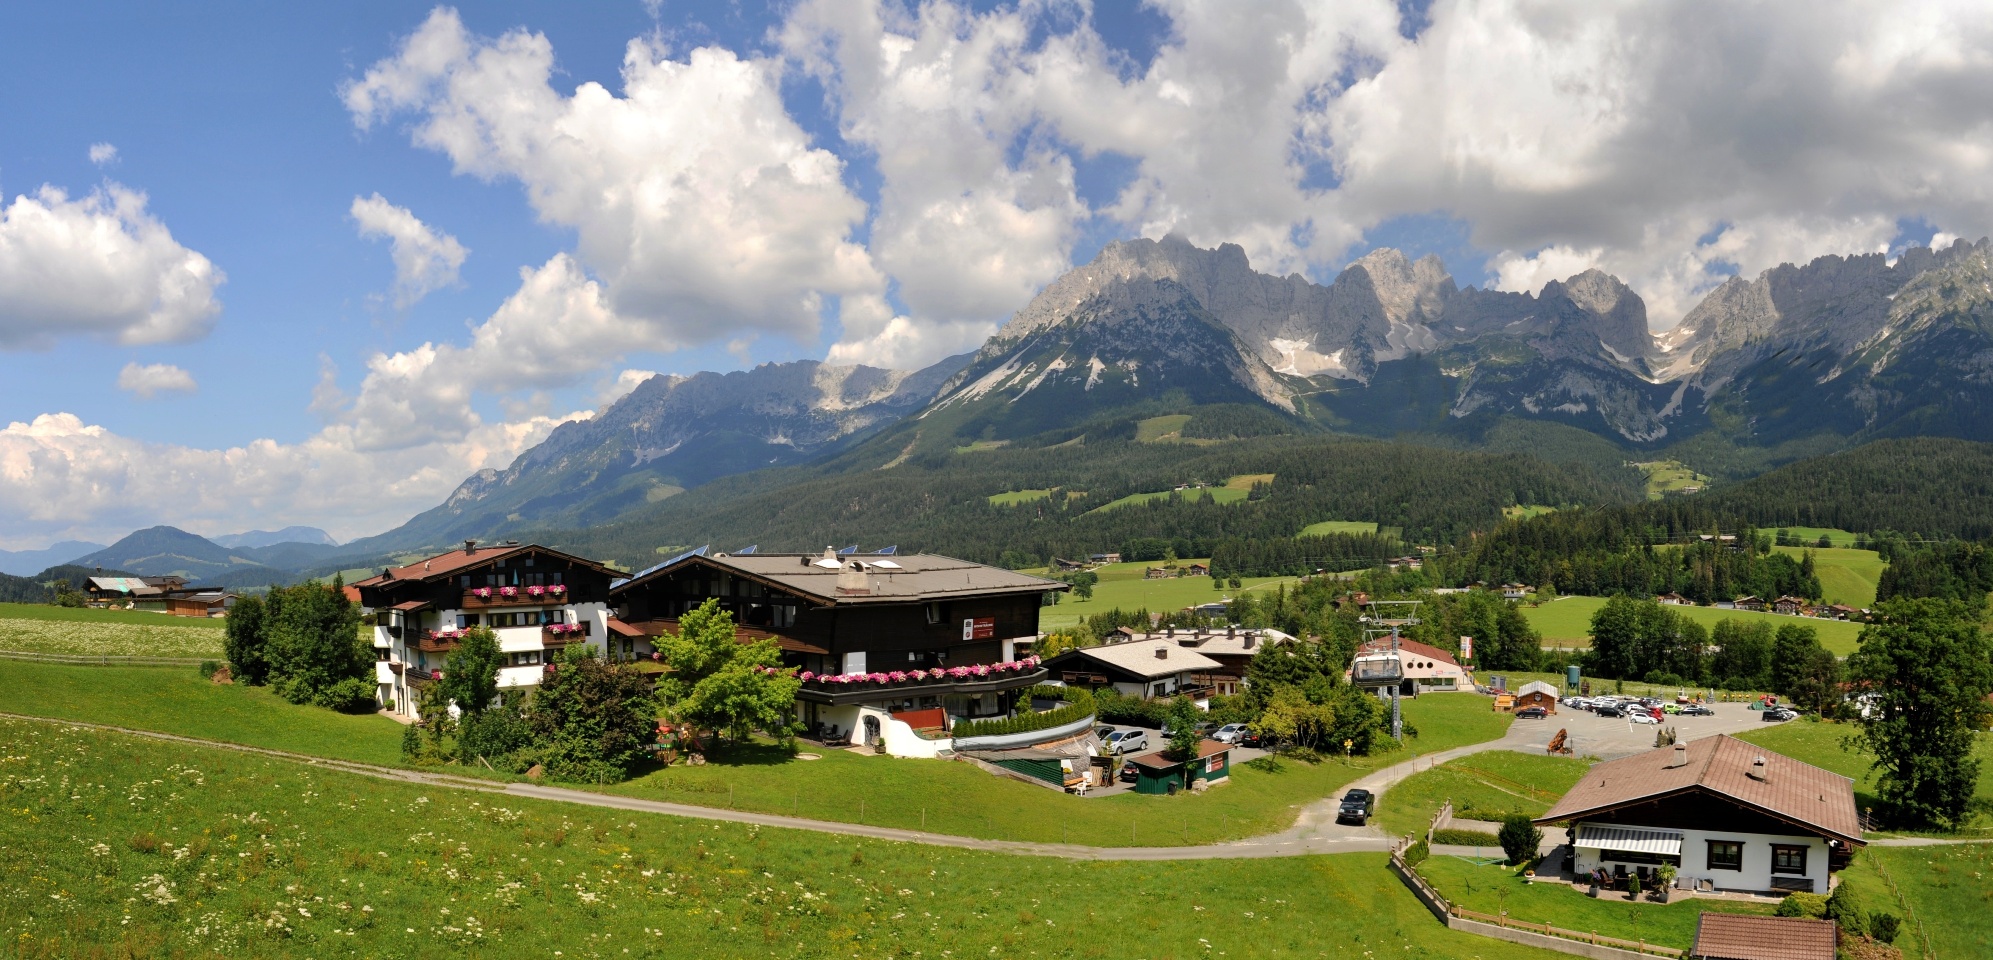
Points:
[(1520, 838), (1803, 905), (351, 695), (411, 744), (1417, 853), (1465, 838), (1078, 704), (209, 668), (1845, 908), (1113, 707), (1883, 926), (1303, 754)]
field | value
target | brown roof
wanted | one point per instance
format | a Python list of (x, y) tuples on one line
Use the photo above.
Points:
[(1736, 936), (903, 578), (1819, 800), (445, 564), (1412, 647), (1156, 759), (742, 634), (622, 629), (410, 606)]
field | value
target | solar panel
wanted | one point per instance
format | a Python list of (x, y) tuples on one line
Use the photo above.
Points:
[(889, 551), (744, 551), (848, 551)]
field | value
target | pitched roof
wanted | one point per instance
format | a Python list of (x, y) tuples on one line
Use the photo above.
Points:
[(1820, 801), (445, 564), (1138, 657), (1409, 647), (1208, 642), (901, 578), (1737, 936), (1537, 686), (1157, 759)]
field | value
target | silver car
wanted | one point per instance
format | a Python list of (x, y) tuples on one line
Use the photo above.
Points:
[(1230, 733), (1128, 741)]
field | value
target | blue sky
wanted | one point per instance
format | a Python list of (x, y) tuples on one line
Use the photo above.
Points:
[(973, 154)]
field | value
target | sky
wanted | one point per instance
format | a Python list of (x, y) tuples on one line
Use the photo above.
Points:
[(272, 264)]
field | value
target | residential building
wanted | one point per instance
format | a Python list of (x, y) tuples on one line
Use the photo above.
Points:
[(205, 603), (537, 600), (1791, 606), (1154, 667), (135, 593), (1197, 570), (873, 637), (1749, 603), (1514, 591), (1727, 814), (1231, 647), (1103, 558), (1427, 669), (1743, 936), (1674, 600)]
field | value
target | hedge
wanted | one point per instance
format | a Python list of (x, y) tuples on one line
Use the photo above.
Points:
[(1465, 838), (1079, 705)]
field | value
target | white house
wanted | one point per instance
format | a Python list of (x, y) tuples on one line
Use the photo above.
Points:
[(1723, 812), (1155, 667), (538, 601)]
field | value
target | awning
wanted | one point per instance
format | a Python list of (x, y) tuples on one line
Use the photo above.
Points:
[(410, 606), (1630, 840)]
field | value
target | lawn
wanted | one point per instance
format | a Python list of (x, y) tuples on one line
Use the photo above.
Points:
[(1943, 887), (1483, 786), (128, 848), (1819, 743), (1812, 535), (1328, 527), (178, 700), (1121, 585), (45, 611), (1493, 889), (1846, 576), (1567, 622), (843, 786), (160, 636)]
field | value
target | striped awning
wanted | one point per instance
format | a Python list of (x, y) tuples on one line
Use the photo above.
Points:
[(1629, 839)]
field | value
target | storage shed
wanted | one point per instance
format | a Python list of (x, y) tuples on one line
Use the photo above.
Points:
[(1536, 693), (1156, 773)]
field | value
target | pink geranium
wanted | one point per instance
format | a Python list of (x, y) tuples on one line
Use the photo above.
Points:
[(807, 676), (535, 591), (508, 591), (484, 593), (981, 671), (897, 676), (958, 672), (557, 588)]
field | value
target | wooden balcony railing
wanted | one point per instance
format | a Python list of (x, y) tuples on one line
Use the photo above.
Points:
[(521, 596)]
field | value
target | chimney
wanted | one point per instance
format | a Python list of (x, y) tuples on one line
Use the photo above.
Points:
[(851, 578), (830, 553), (1231, 630), (470, 546), (1171, 631), (1162, 653), (1681, 758), (1250, 638), (1758, 771)]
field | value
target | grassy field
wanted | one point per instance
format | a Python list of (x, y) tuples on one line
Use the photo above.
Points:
[(178, 700), (1233, 490), (981, 445), (1568, 622), (1820, 744), (841, 786), (1121, 585), (1157, 429), (1944, 887), (1484, 786), (1015, 497), (1812, 535), (115, 847), (1525, 512), (1492, 889), (1665, 476), (43, 611), (1846, 576), (160, 636), (1327, 527)]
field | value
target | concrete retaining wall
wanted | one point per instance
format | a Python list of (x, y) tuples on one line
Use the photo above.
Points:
[(1559, 944)]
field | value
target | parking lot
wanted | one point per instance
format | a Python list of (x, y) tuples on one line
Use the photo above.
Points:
[(1610, 737), (1156, 742)]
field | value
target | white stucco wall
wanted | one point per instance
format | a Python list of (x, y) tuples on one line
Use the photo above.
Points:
[(1757, 868)]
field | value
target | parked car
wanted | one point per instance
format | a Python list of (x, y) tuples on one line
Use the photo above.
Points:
[(1778, 715), (1252, 739), (1697, 710), (1356, 807), (1206, 729), (1128, 741), (1610, 710), (1230, 733), (1641, 716), (1128, 774), (1102, 732), (1532, 713)]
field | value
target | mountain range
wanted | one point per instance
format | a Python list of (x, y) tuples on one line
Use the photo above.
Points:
[(1798, 361)]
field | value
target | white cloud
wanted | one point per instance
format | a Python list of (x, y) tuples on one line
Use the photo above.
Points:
[(103, 154), (624, 384), (695, 198), (153, 379), (425, 259), (99, 266)]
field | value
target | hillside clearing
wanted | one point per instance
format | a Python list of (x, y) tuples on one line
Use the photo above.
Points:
[(1157, 429), (1669, 476), (1567, 622), (1122, 585), (1846, 576)]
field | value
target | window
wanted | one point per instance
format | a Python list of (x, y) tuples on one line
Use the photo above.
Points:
[(1726, 855), (465, 580), (465, 620), (1788, 859), (934, 613)]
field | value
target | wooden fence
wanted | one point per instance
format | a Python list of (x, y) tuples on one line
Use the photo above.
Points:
[(1923, 937), (105, 660)]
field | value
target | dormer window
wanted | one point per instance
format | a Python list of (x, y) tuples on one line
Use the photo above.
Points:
[(934, 613)]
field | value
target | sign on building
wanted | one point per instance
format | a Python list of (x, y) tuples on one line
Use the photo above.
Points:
[(979, 628)]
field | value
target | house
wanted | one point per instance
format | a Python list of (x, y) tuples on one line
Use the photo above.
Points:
[(1536, 693), (1728, 540), (206, 603), (1427, 668), (1158, 573), (1156, 773), (134, 593), (1514, 591), (1067, 566), (1725, 813), (1150, 668), (1840, 611), (536, 599), (1674, 599), (1743, 936), (872, 636), (1232, 647), (1197, 570), (1790, 606), (1103, 558), (1748, 603)]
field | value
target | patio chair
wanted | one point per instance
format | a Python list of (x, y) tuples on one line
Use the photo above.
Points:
[(1619, 876)]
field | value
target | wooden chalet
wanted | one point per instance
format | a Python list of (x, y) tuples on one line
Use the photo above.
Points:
[(873, 636), (1727, 814), (536, 599)]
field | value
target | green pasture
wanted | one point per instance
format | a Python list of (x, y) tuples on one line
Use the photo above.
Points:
[(1945, 895), (1812, 535), (1823, 744), (980, 446), (1328, 527), (1483, 786), (1493, 889), (1122, 585), (50, 612), (1233, 490), (1846, 576), (1522, 512), (1015, 497), (1156, 429), (160, 636), (118, 847), (1666, 476), (1567, 622)]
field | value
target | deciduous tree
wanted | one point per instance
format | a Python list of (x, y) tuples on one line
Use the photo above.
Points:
[(1929, 668)]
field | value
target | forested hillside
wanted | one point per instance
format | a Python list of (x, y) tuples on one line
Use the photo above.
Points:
[(1932, 486), (1431, 495)]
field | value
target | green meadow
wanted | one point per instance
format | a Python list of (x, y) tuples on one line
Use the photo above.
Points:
[(1824, 744), (1567, 622), (1846, 576), (1122, 585), (55, 614), (1482, 786)]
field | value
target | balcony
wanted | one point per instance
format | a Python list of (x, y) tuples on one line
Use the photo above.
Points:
[(434, 642), (954, 681), (479, 598)]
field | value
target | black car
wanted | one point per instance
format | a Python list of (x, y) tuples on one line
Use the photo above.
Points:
[(1696, 710), (1251, 738), (1611, 710), (1356, 807), (1128, 774), (1531, 713), (1779, 715)]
